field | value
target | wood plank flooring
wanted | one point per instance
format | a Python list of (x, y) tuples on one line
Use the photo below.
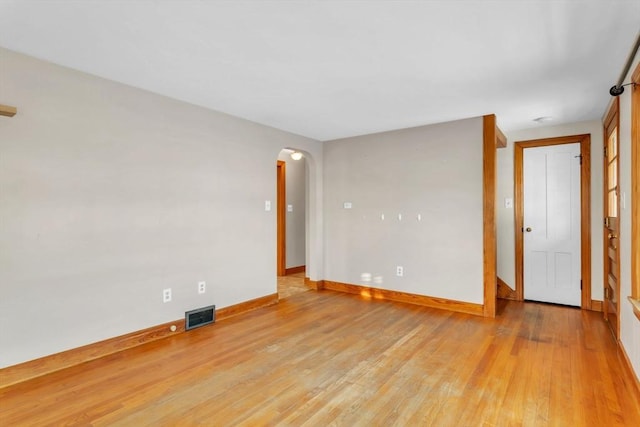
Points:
[(326, 358), (291, 285)]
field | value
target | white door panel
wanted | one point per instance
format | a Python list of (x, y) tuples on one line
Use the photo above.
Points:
[(552, 214)]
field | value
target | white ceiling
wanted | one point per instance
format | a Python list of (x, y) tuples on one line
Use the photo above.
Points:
[(331, 69)]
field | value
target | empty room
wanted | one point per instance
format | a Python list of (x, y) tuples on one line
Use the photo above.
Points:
[(312, 213)]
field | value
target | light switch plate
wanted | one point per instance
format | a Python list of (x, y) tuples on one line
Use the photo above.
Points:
[(267, 205), (508, 203), (289, 208), (347, 205)]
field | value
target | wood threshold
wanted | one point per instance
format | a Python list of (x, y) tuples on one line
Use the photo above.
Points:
[(7, 110), (405, 297), (295, 270), (55, 362), (585, 209)]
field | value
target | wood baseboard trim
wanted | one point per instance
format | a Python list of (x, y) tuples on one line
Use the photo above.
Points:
[(294, 270), (317, 285), (596, 305), (56, 362), (505, 291), (405, 297), (245, 306), (631, 375), (66, 359)]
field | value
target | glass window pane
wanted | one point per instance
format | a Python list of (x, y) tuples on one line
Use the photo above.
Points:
[(612, 175), (612, 149), (612, 203)]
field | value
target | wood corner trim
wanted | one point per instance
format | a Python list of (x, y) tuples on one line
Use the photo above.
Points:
[(635, 305), (294, 270), (505, 291), (7, 110), (596, 305), (489, 174), (56, 362), (501, 139), (405, 297), (317, 285), (281, 218)]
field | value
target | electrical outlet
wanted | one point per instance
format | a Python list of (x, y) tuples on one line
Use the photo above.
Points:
[(202, 287), (399, 271), (166, 295)]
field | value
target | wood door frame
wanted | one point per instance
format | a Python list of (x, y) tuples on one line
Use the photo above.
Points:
[(610, 124), (635, 190), (281, 210), (585, 212)]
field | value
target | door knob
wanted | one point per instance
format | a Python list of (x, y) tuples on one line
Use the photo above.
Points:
[(528, 229), (612, 236)]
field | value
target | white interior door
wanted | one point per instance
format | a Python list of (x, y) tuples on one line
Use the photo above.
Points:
[(552, 224)]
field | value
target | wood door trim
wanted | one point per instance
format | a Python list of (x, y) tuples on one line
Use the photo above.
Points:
[(610, 123), (585, 211), (281, 209), (489, 173), (635, 189)]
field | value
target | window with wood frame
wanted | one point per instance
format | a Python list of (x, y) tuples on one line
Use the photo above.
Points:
[(635, 192)]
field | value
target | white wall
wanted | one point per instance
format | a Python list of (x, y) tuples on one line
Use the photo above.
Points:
[(108, 194), (434, 171), (295, 171), (629, 324), (505, 189)]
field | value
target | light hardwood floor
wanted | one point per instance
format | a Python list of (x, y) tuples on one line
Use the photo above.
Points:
[(326, 358), (290, 285)]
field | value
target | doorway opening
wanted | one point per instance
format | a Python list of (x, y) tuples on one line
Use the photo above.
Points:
[(292, 214), (537, 256)]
